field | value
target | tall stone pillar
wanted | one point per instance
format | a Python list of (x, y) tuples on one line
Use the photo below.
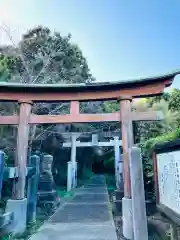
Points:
[(138, 196)]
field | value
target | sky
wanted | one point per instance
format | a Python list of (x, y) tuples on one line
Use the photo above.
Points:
[(121, 39)]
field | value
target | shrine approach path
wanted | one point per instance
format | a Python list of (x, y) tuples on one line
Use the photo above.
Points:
[(87, 216)]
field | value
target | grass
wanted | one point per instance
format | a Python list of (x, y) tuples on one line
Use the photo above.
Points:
[(62, 193), (110, 182), (32, 228), (7, 237)]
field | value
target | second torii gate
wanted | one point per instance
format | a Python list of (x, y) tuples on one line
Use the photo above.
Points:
[(72, 165)]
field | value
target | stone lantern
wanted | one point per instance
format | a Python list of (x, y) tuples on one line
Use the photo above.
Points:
[(47, 194)]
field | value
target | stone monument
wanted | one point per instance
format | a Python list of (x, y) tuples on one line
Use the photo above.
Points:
[(47, 195)]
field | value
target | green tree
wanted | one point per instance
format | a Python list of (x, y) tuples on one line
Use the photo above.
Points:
[(4, 68), (42, 56), (174, 100), (150, 129), (164, 96)]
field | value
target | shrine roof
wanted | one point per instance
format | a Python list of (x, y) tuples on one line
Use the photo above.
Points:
[(167, 79)]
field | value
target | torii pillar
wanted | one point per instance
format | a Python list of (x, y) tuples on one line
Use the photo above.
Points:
[(127, 143), (72, 165), (18, 205)]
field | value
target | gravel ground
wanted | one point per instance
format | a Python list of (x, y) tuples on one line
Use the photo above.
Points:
[(153, 235), (154, 222), (118, 225)]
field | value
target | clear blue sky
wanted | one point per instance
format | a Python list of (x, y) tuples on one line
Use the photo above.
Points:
[(121, 39)]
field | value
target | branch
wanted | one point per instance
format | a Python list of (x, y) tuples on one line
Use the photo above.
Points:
[(8, 33), (45, 66), (20, 54), (39, 135), (42, 70), (54, 110)]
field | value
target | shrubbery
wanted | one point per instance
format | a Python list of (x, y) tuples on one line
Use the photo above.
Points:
[(147, 150)]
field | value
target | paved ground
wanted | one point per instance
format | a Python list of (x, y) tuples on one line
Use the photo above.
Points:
[(85, 217)]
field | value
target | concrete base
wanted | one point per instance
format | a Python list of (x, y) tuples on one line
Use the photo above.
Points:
[(5, 223), (127, 218), (19, 210)]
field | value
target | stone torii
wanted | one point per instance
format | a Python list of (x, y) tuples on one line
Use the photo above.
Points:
[(72, 165)]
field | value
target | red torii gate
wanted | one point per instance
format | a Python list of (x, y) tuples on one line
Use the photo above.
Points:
[(27, 94)]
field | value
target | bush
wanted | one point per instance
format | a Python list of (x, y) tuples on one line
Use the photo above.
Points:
[(147, 150), (110, 181)]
